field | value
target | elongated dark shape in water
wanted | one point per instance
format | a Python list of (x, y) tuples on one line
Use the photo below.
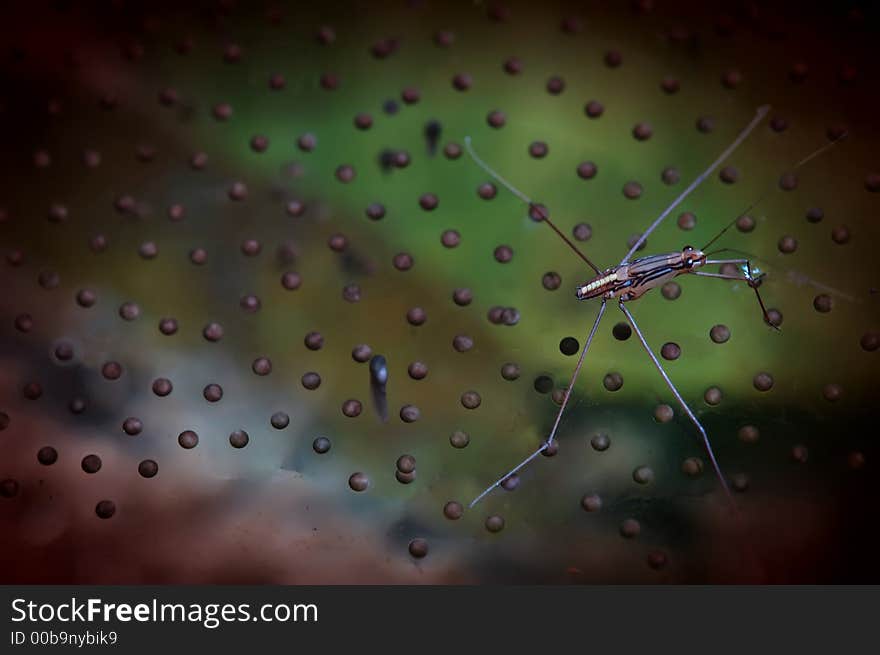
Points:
[(433, 129), (378, 379)]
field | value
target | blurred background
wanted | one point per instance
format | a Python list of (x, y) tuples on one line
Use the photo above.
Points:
[(213, 214)]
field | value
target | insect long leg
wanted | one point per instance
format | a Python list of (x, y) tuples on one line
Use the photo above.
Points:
[(546, 444), (750, 279), (519, 194), (684, 406), (759, 116)]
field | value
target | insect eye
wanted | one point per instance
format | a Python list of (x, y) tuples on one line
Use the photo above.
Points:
[(688, 262), (686, 248)]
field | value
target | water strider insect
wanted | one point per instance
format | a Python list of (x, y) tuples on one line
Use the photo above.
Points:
[(631, 279)]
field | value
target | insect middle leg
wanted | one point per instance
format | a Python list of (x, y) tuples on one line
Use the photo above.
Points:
[(684, 405), (546, 444)]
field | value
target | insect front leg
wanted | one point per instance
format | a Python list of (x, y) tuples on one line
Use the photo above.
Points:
[(749, 278)]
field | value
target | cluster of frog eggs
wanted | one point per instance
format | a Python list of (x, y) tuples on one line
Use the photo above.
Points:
[(450, 238)]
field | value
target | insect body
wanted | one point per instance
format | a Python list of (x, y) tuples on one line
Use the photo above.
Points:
[(632, 278)]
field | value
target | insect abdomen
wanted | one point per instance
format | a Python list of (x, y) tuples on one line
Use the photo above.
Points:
[(596, 286)]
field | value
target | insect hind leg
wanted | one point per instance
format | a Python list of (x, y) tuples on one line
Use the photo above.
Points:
[(684, 405), (546, 444)]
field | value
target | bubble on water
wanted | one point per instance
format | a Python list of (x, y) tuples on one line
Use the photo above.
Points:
[(613, 381), (279, 420), (630, 528), (587, 170), (594, 109), (188, 439), (352, 408), (418, 548), (314, 341), (459, 439), (239, 439), (416, 316), (832, 392), (719, 333), (600, 442), (429, 201), (462, 297), (410, 414), (815, 214), (740, 482), (496, 119), (705, 124), (47, 455), (787, 244), (543, 384), (856, 460), (712, 396), (162, 387), (9, 488), (763, 381), (452, 150), (643, 475), (105, 509), (361, 353), (591, 503), (663, 413), (642, 131), (32, 390), (569, 346), (551, 281), (511, 482), (132, 426), (462, 343), (358, 482), (453, 510), (670, 85), (91, 464), (111, 370), (129, 311), (470, 400), (494, 523), (671, 290), (840, 234), (823, 303), (687, 221), (262, 366), (503, 254), (632, 190), (538, 149), (657, 559), (168, 326), (692, 467), (748, 434)]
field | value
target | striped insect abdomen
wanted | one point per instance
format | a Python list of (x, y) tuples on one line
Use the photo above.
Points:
[(632, 279)]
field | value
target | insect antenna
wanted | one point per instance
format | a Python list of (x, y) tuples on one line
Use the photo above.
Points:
[(766, 193), (748, 254), (534, 207), (759, 116)]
